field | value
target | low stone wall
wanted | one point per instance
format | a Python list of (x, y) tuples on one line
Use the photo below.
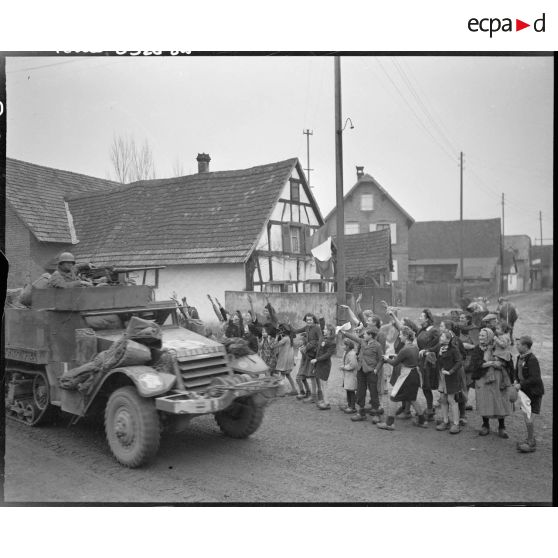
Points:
[(291, 307)]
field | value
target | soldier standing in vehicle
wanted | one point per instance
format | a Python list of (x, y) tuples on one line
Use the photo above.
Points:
[(65, 276)]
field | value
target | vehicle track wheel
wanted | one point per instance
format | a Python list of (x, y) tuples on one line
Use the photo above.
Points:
[(44, 412), (241, 419), (131, 427)]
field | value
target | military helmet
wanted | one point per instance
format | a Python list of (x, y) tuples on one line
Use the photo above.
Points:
[(66, 257)]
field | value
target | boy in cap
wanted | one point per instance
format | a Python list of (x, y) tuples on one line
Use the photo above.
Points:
[(528, 379)]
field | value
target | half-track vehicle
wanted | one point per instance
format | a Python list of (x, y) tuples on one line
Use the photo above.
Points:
[(73, 351)]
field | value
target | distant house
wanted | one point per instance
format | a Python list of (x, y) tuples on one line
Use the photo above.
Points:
[(214, 231), (38, 223), (510, 271), (520, 246), (368, 260), (369, 207), (542, 262), (434, 251)]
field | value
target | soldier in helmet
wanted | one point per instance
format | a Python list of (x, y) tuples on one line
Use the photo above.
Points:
[(65, 277)]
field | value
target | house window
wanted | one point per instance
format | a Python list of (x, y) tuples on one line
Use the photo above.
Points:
[(391, 226), (295, 240), (394, 273), (295, 191), (352, 228), (366, 202)]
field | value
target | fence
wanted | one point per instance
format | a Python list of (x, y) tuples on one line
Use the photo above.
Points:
[(291, 307), (446, 295)]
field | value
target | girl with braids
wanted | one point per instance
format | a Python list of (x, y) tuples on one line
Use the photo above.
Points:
[(491, 383), (457, 342), (427, 340), (449, 364), (406, 386)]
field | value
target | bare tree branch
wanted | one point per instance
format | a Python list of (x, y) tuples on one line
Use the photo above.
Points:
[(177, 167), (129, 163)]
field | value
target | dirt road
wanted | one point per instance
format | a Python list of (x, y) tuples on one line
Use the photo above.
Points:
[(300, 454)]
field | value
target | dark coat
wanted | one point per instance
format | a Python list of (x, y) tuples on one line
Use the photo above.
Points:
[(326, 349), (532, 383), (451, 361)]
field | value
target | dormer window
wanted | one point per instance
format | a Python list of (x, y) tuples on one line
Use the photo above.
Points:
[(366, 202)]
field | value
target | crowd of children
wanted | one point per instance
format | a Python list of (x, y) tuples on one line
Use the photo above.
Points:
[(450, 357)]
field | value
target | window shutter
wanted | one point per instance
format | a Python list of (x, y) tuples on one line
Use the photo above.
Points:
[(286, 234), (372, 227)]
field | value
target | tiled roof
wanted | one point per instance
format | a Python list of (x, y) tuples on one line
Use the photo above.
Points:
[(367, 178), (213, 217), (367, 253), (37, 193), (440, 239)]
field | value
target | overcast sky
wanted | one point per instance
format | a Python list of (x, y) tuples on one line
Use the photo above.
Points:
[(412, 116)]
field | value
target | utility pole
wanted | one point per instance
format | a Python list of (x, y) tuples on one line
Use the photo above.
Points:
[(461, 223), (340, 272), (502, 252), (308, 133), (540, 222)]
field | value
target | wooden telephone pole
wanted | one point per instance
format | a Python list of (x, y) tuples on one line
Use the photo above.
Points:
[(340, 240), (308, 133), (461, 223)]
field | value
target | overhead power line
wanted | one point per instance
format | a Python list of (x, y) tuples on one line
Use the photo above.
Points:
[(452, 156)]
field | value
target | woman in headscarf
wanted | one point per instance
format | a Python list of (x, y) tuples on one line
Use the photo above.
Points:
[(491, 383), (427, 341)]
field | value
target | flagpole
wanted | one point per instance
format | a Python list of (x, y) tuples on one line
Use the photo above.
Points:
[(340, 213)]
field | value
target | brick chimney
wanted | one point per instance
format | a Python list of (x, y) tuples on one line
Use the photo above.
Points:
[(203, 162), (360, 172)]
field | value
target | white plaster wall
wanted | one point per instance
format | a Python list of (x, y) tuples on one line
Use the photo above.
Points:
[(264, 267), (278, 211), (276, 238), (195, 282), (262, 241)]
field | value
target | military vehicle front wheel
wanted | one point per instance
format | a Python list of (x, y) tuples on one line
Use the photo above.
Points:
[(242, 418), (131, 427)]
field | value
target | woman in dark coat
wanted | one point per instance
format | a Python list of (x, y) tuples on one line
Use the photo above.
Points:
[(427, 341), (313, 338), (322, 363), (450, 365)]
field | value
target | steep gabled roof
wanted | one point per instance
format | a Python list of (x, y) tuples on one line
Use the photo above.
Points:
[(36, 193), (213, 217), (441, 239), (367, 178), (367, 253)]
